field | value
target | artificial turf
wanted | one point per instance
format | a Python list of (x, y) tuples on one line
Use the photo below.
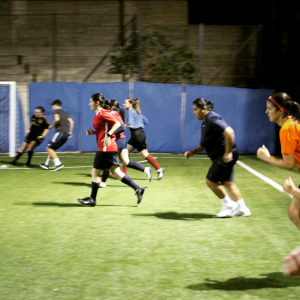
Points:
[(171, 246)]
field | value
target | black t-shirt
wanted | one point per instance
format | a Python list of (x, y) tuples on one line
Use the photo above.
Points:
[(212, 138), (63, 124), (38, 125)]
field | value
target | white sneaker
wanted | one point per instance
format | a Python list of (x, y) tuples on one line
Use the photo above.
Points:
[(160, 173), (241, 212), (227, 210), (148, 173), (102, 184)]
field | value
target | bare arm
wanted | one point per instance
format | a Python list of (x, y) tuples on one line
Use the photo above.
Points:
[(71, 126), (286, 162), (198, 149), (106, 139), (56, 120), (229, 142)]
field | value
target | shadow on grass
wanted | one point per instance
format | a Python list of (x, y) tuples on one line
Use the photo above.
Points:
[(270, 280), (178, 216), (84, 184), (67, 204)]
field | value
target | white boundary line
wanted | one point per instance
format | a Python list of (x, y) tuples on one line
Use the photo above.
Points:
[(263, 177)]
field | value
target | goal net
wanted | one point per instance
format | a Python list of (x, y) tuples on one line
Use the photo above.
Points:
[(11, 119)]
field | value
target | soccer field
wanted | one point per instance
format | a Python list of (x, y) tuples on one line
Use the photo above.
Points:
[(171, 246)]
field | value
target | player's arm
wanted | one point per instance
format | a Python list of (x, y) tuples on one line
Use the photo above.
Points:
[(286, 162), (120, 129), (44, 133), (190, 153), (56, 120), (108, 135), (71, 122), (229, 143)]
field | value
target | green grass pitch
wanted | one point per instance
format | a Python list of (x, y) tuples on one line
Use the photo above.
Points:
[(171, 246)]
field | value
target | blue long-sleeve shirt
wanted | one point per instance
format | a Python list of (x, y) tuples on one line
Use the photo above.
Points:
[(135, 120)]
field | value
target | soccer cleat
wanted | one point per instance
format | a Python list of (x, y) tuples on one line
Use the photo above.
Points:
[(160, 173), (102, 184), (241, 212), (227, 210), (148, 173), (44, 166), (139, 192), (87, 201), (56, 168)]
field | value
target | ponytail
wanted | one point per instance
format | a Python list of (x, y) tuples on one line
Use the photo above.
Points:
[(135, 104)]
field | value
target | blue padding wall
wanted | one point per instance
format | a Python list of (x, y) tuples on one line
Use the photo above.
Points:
[(172, 126), (44, 94)]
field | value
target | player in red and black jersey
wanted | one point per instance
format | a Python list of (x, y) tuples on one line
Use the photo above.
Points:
[(105, 125), (39, 127), (119, 114)]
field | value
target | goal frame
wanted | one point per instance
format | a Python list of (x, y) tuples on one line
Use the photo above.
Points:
[(12, 115)]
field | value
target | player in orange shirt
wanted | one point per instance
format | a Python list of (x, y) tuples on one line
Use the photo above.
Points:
[(285, 112)]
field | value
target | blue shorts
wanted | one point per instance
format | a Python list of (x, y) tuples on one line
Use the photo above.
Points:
[(105, 160), (121, 144), (58, 140), (220, 171)]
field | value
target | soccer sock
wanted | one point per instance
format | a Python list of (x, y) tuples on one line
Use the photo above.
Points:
[(135, 165), (124, 170), (153, 162), (105, 175), (95, 187), (225, 200), (19, 154), (127, 180), (241, 203), (56, 161), (48, 161), (30, 153)]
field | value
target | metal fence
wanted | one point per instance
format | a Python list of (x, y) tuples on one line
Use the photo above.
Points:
[(91, 48)]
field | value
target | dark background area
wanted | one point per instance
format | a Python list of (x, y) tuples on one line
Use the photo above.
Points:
[(280, 53)]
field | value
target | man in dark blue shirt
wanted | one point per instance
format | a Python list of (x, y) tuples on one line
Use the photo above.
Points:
[(217, 138)]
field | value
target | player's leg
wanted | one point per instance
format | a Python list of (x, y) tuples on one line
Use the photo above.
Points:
[(160, 171), (134, 165), (117, 173), (294, 212), (104, 177), (235, 194), (30, 148), (130, 149), (20, 152)]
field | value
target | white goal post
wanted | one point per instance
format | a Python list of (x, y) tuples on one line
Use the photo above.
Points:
[(9, 130)]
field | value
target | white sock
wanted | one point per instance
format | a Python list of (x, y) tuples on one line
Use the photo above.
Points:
[(225, 200), (241, 203), (56, 161), (48, 161)]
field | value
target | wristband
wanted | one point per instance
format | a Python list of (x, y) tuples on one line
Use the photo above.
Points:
[(109, 135)]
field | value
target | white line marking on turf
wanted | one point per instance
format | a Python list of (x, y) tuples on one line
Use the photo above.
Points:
[(263, 177)]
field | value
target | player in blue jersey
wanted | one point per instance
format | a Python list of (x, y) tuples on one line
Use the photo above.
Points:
[(217, 138)]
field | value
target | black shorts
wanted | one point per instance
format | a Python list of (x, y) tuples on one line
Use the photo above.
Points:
[(105, 160), (220, 171), (121, 144), (32, 137), (58, 140), (138, 139)]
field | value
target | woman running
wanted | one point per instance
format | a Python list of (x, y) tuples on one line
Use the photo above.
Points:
[(135, 121), (118, 113), (285, 112), (105, 125)]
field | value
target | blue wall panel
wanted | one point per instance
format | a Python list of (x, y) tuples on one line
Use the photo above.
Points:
[(161, 104)]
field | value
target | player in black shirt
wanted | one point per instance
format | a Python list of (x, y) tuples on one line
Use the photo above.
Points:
[(39, 127), (217, 138), (63, 131)]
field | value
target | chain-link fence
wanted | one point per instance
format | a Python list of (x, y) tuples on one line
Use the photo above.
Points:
[(92, 48)]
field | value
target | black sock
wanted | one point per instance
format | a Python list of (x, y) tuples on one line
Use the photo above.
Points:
[(105, 175), (135, 165), (95, 187), (19, 154), (30, 153), (127, 180)]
